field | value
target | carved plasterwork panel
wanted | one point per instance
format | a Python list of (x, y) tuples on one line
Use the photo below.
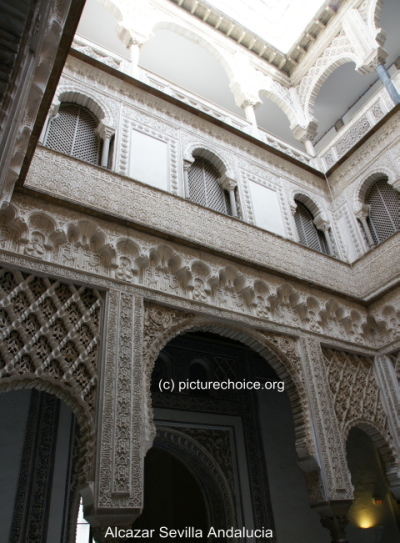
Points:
[(120, 444), (356, 393), (49, 339), (339, 51), (154, 208), (328, 434)]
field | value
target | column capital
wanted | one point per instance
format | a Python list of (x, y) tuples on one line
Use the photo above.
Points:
[(334, 518), (362, 212), (245, 97), (303, 133), (55, 106), (187, 164), (105, 131), (228, 183), (129, 36), (322, 223)]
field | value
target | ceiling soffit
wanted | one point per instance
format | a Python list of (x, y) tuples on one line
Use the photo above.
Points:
[(234, 30)]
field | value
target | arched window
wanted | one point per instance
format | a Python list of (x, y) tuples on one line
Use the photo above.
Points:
[(73, 132), (309, 235), (384, 212), (205, 188)]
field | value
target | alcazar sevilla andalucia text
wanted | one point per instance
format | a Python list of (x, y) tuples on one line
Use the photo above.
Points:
[(199, 271)]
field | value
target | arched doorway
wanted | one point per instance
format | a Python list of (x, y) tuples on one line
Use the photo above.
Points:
[(374, 512), (248, 436), (172, 496), (39, 453)]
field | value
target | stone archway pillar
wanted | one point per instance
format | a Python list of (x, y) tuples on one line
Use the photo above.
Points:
[(331, 491), (115, 497)]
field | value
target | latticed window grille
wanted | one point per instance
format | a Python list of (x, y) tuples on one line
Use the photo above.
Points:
[(73, 132), (309, 235), (205, 189), (384, 214)]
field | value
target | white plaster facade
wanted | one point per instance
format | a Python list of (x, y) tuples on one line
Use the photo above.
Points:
[(127, 239)]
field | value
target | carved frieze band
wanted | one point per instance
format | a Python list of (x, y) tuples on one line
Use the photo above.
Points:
[(111, 251)]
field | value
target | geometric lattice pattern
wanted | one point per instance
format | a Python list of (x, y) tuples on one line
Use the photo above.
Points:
[(72, 132), (204, 187), (354, 389), (49, 329), (309, 235), (384, 214)]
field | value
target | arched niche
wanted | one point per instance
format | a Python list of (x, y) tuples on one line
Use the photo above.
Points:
[(104, 31), (374, 512), (189, 65), (341, 95), (39, 452), (270, 117)]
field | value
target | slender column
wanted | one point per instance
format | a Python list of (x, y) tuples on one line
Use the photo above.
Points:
[(362, 215), (250, 114), (309, 147), (105, 133), (134, 53), (52, 113), (324, 226), (186, 167), (233, 201), (328, 240), (249, 107), (384, 76), (105, 151), (230, 185)]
